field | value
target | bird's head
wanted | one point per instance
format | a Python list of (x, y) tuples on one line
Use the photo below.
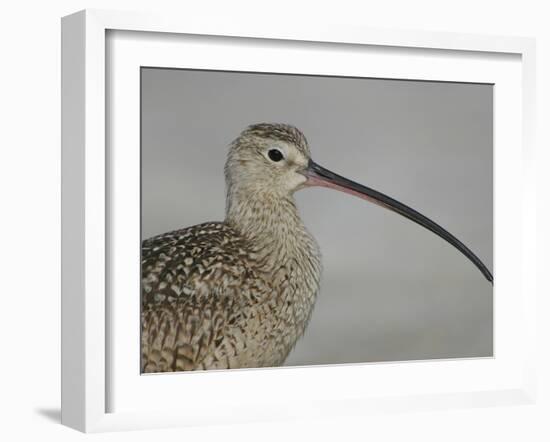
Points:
[(269, 162)]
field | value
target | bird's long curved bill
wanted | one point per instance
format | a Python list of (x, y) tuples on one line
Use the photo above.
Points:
[(319, 176)]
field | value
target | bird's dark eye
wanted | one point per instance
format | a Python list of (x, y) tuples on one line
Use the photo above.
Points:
[(275, 155)]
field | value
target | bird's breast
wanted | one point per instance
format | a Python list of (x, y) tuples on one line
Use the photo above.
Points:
[(291, 268)]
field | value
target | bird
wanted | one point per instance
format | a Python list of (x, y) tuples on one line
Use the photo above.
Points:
[(239, 293)]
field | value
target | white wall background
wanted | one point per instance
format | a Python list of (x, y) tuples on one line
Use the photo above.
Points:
[(30, 221)]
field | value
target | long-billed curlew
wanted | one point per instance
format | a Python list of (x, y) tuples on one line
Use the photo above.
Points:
[(239, 293)]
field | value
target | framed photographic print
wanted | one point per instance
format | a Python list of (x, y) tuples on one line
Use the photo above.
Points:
[(280, 223)]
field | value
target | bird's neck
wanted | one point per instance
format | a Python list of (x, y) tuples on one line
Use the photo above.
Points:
[(273, 227)]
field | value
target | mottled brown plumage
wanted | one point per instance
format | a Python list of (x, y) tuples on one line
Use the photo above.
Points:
[(237, 293)]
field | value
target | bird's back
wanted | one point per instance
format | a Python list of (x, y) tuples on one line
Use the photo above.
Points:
[(206, 304)]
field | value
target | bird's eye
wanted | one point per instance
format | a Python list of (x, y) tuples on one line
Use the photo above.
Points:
[(275, 155)]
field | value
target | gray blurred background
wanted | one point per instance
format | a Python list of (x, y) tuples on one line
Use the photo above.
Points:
[(391, 290)]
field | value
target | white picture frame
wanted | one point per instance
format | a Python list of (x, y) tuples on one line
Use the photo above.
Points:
[(89, 230)]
